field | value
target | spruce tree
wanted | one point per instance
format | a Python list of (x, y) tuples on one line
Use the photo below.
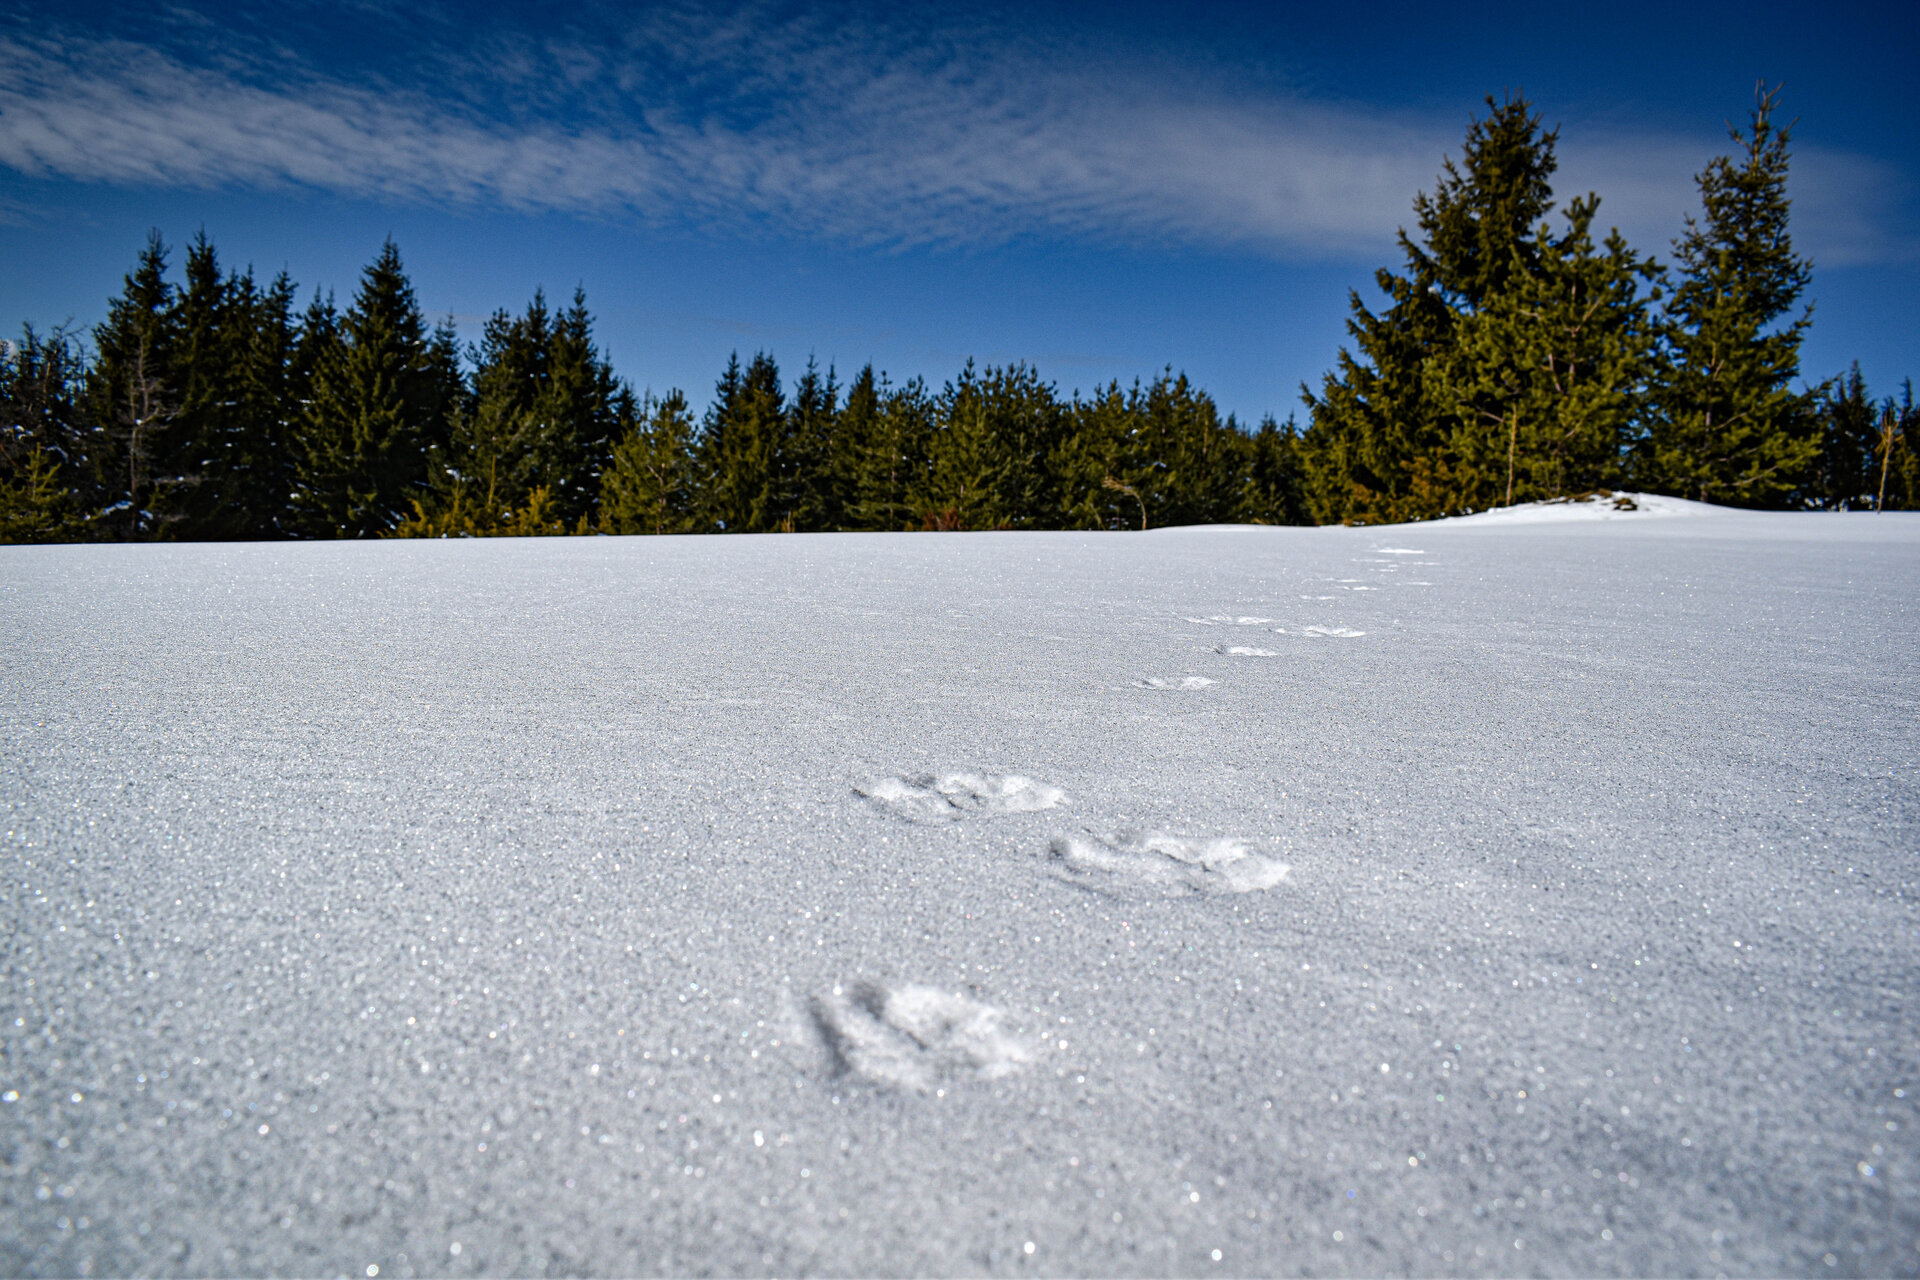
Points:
[(543, 415), (1847, 474), (815, 497), (648, 486), (1546, 378), (967, 461), (1274, 491), (137, 453), (1377, 447), (880, 446), (45, 493), (1101, 469), (1899, 453), (743, 450), (851, 465), (1189, 463), (383, 392), (577, 409), (1729, 428), (227, 375)]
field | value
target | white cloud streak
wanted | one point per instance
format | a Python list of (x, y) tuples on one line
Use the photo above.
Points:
[(888, 137)]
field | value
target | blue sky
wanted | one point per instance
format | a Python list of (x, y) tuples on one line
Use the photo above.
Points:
[(1100, 189)]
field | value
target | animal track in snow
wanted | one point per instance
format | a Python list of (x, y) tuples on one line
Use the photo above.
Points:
[(913, 1037), (1245, 651), (1222, 620), (1173, 865), (947, 796), (1184, 682)]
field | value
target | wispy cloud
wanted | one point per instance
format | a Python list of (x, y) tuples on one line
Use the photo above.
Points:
[(857, 131)]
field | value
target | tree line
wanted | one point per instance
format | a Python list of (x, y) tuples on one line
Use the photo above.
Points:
[(211, 410), (1513, 361)]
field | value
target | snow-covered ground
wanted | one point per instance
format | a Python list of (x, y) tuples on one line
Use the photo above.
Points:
[(1594, 506), (1454, 899)]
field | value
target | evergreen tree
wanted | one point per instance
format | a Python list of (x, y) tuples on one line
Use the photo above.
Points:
[(743, 451), (137, 449), (816, 497), (45, 494), (649, 485), (1546, 378), (1101, 469), (853, 464), (1847, 474), (543, 415), (267, 389), (1729, 428), (880, 448), (1377, 447), (966, 463), (1899, 453), (382, 397), (227, 380), (1191, 465), (1275, 488)]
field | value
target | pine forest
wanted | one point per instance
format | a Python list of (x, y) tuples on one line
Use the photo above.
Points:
[(1522, 352)]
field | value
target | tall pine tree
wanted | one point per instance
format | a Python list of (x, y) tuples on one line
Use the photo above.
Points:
[(1729, 428), (382, 397), (137, 455), (1378, 448), (1546, 378), (743, 451), (45, 491)]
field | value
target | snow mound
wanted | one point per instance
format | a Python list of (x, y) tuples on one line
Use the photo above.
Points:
[(1331, 633), (1184, 682), (914, 1037), (1175, 865), (947, 796), (1245, 651), (1593, 506), (1222, 620)]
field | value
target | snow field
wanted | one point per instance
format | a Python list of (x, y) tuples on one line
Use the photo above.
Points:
[(368, 901)]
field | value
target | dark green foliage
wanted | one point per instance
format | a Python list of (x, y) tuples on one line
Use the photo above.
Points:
[(1379, 447), (1869, 456), (815, 501), (192, 402), (543, 415), (1899, 453), (1159, 455), (1728, 428), (384, 393), (44, 488), (1545, 379), (745, 464), (137, 450), (1847, 474), (1276, 490), (650, 485), (230, 359)]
